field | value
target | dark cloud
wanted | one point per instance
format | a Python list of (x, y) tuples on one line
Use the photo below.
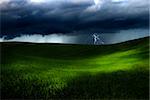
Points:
[(80, 16)]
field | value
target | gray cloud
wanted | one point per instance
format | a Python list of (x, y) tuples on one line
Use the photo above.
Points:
[(53, 38)]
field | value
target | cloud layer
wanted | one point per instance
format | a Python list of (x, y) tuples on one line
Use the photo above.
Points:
[(66, 16), (46, 17)]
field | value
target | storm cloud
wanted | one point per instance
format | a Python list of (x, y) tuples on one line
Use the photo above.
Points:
[(72, 16)]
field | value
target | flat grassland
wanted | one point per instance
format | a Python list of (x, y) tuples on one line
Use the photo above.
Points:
[(63, 71)]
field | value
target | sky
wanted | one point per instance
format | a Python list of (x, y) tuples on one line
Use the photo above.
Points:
[(74, 21)]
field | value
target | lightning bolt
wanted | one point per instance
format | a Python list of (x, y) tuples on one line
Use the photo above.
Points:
[(97, 39)]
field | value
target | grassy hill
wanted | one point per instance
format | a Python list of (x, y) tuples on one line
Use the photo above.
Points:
[(52, 71)]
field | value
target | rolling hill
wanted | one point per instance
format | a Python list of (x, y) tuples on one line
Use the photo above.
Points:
[(64, 71)]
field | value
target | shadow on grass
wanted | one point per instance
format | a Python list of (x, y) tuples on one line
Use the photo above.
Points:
[(116, 85)]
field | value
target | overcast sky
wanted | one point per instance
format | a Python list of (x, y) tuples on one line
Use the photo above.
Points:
[(111, 19)]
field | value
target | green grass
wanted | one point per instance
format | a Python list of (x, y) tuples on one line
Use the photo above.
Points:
[(52, 71)]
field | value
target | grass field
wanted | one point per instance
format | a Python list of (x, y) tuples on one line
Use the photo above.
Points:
[(52, 71)]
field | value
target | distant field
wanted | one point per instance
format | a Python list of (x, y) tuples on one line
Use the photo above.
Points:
[(52, 71)]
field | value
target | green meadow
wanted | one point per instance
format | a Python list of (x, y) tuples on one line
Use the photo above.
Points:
[(63, 71)]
